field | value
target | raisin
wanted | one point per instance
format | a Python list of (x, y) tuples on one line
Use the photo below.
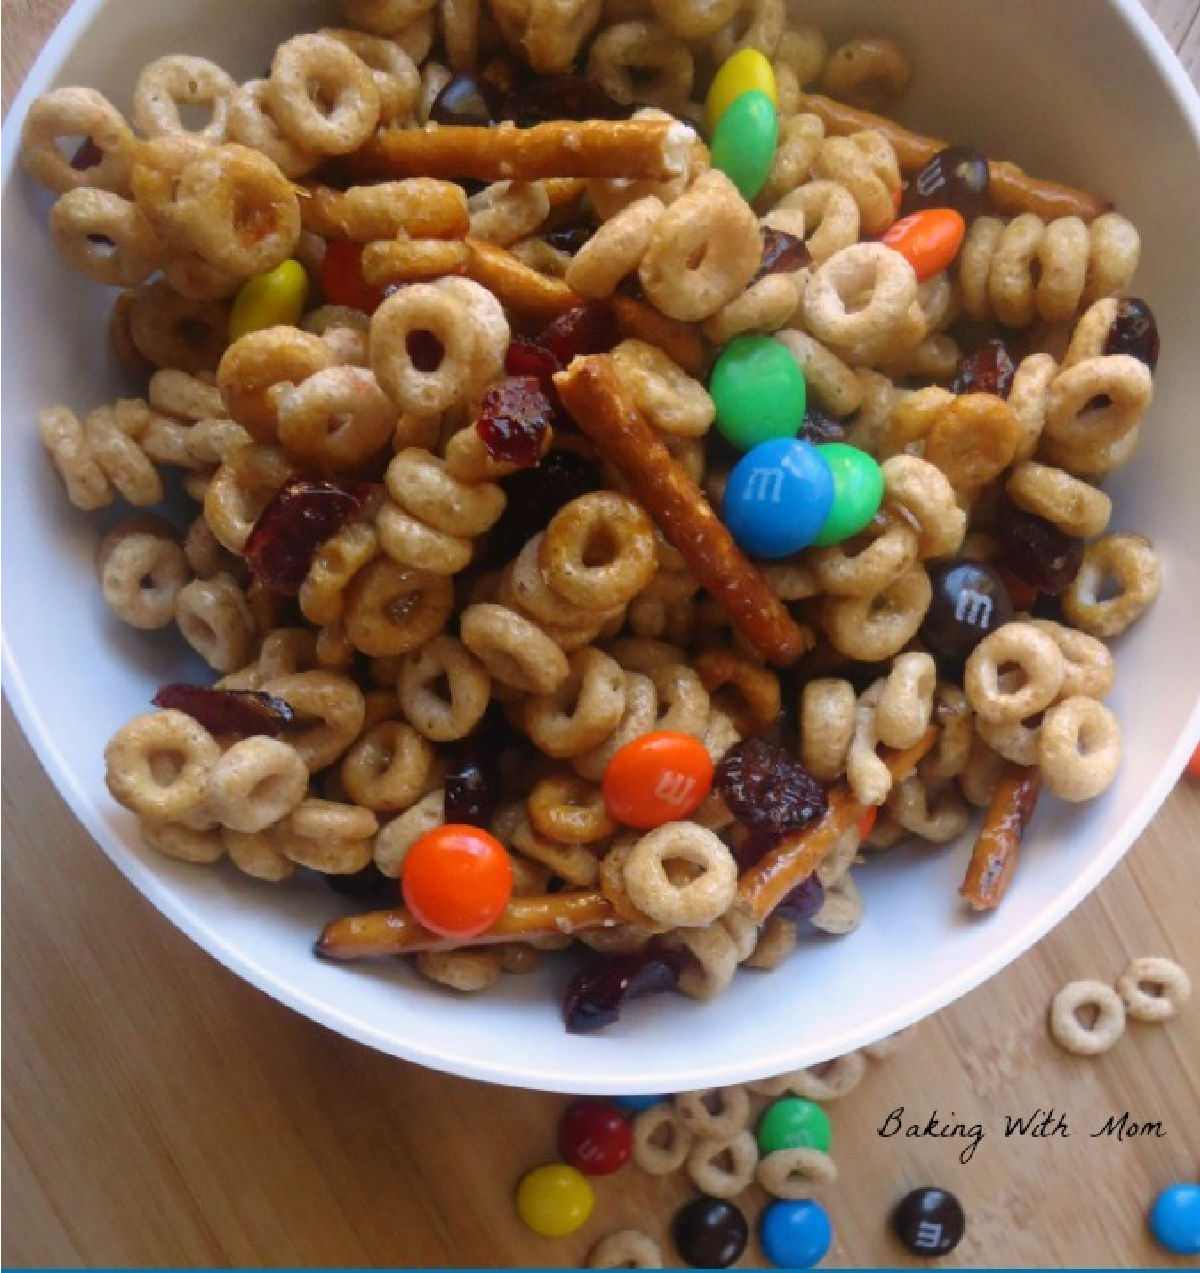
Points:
[(534, 496), (88, 155), (804, 901), (472, 789), (819, 426), (1036, 551), (766, 788), (753, 847), (553, 97), (467, 101), (369, 885), (587, 329), (596, 994), (569, 238), (226, 711), (956, 177), (300, 517), (782, 254), (513, 418), (987, 369), (1134, 331)]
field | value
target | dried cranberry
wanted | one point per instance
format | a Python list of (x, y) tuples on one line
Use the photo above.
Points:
[(782, 253), (766, 788), (988, 369), (587, 329), (956, 177), (561, 97), (88, 155), (803, 901), (472, 789), (1036, 551), (534, 496), (342, 281), (513, 418), (1134, 331), (969, 601), (227, 711), (369, 885), (300, 517), (467, 101), (569, 238), (526, 357), (596, 994), (819, 426)]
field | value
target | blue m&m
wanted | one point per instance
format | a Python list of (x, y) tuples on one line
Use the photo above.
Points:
[(1175, 1219), (635, 1104), (778, 497), (795, 1235)]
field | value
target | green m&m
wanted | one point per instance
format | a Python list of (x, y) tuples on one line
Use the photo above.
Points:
[(857, 492), (743, 142), (758, 391), (793, 1123)]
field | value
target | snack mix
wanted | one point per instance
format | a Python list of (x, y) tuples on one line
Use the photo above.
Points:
[(631, 479)]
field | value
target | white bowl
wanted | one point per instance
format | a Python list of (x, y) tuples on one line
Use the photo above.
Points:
[(1080, 90)]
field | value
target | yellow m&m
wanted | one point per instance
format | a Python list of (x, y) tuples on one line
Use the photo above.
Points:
[(747, 71), (269, 300)]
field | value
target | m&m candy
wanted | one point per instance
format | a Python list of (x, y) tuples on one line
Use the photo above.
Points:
[(857, 492), (595, 1138), (1175, 1219), (635, 1104), (746, 71), (554, 1200), (795, 1235), (778, 497), (928, 240), (709, 1233), (274, 299), (659, 777), (743, 143), (929, 1222), (793, 1123), (456, 880), (758, 391)]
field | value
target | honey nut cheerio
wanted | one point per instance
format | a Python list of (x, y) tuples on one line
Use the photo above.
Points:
[(463, 531)]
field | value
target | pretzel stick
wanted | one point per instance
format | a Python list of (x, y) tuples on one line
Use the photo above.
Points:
[(1011, 188), (516, 285), (564, 191), (679, 341), (420, 207), (799, 853), (404, 260), (562, 148), (592, 392), (994, 858), (396, 932)]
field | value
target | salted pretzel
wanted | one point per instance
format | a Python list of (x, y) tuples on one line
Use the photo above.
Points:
[(994, 857)]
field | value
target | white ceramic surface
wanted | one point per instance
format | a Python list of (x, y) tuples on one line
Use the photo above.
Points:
[(1078, 89)]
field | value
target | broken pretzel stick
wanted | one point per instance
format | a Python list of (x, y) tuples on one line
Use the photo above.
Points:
[(420, 207), (396, 932), (994, 858), (679, 341), (1011, 188), (631, 148), (592, 392), (799, 853), (390, 262)]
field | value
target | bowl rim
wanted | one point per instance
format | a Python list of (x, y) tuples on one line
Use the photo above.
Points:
[(422, 1050)]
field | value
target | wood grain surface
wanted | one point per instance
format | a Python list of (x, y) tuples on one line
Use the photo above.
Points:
[(159, 1111)]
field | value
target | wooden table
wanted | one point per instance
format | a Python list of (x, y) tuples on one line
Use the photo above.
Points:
[(160, 1111)]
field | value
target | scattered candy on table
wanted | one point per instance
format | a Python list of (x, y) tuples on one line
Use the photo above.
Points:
[(595, 1138), (659, 777), (929, 1222), (456, 880), (927, 240), (1193, 765), (795, 1235), (554, 1200), (1175, 1219), (857, 492), (793, 1123), (709, 1233), (758, 390), (743, 143), (273, 299), (747, 71), (778, 497)]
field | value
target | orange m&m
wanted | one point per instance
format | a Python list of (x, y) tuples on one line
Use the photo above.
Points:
[(928, 240), (657, 778), (456, 880)]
